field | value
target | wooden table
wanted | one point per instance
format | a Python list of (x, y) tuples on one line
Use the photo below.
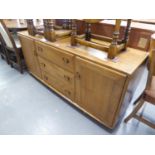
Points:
[(146, 21), (16, 24)]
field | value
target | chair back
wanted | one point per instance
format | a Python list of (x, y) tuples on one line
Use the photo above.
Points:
[(6, 35), (151, 65), (9, 40)]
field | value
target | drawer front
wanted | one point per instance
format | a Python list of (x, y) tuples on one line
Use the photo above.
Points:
[(57, 56), (60, 74), (57, 84)]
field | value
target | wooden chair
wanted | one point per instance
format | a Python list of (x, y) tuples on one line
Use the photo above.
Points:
[(13, 47), (51, 31), (112, 46), (149, 93), (3, 51)]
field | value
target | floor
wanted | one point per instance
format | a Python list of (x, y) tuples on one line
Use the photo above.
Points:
[(28, 107)]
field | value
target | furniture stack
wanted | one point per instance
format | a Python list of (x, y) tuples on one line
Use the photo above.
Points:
[(84, 75), (96, 73)]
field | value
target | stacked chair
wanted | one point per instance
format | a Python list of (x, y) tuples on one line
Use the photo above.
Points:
[(148, 95), (3, 52), (12, 48), (113, 46), (50, 30)]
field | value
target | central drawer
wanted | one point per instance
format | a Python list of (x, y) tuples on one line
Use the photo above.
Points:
[(57, 56), (57, 77)]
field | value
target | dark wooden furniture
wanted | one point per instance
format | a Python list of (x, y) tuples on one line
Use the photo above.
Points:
[(12, 44), (149, 93), (146, 21), (3, 51)]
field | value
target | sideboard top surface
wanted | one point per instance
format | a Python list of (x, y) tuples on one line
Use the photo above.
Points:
[(126, 62)]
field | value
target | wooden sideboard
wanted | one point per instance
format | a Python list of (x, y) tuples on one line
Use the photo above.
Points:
[(100, 87)]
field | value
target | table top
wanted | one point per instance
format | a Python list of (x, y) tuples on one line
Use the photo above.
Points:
[(138, 25), (147, 21), (20, 24), (16, 24)]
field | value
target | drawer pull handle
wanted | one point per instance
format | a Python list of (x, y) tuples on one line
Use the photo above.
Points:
[(40, 49), (78, 75), (67, 92), (46, 78), (35, 53), (67, 78), (43, 64), (65, 60)]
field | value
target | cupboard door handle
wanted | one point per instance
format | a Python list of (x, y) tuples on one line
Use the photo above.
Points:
[(78, 76), (67, 78), (65, 60)]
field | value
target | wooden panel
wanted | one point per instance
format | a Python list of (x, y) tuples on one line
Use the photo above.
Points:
[(30, 55), (59, 57), (98, 90), (140, 39)]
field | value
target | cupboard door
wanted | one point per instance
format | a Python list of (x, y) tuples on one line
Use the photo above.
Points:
[(98, 90), (30, 56)]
